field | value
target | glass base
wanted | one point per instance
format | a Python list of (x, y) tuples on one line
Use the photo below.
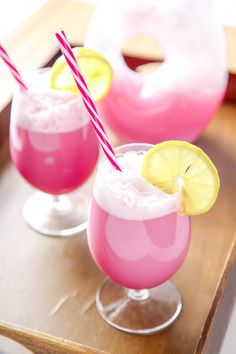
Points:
[(58, 216), (141, 312)]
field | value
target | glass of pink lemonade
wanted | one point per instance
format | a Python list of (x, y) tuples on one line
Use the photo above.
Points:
[(139, 229), (137, 238), (54, 147)]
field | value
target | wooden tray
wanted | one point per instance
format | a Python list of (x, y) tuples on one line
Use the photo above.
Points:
[(49, 285)]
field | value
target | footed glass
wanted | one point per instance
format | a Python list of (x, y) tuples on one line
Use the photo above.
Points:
[(55, 149), (139, 240)]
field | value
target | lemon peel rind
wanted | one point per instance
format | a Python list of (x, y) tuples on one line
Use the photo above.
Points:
[(214, 185), (82, 54)]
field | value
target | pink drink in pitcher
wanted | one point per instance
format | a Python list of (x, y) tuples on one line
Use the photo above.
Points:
[(52, 142), (171, 114), (179, 98), (135, 233)]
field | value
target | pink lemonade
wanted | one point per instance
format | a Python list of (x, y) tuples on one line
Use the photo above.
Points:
[(173, 114), (179, 97), (135, 233), (55, 163), (52, 141)]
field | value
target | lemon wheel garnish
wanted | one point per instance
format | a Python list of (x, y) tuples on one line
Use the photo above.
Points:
[(95, 69), (180, 167)]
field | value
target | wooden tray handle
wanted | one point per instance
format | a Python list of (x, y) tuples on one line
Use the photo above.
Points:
[(41, 343)]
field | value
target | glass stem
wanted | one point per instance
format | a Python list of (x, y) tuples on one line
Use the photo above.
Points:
[(56, 198), (138, 295), (61, 203)]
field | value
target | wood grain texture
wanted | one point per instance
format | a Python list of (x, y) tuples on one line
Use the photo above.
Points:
[(219, 315), (41, 343), (50, 284)]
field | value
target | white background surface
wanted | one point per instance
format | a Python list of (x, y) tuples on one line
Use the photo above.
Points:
[(10, 20)]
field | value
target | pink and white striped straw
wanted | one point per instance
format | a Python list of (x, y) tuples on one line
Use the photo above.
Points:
[(86, 97), (15, 73)]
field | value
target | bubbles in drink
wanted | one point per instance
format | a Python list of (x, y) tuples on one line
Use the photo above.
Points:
[(47, 110), (128, 195)]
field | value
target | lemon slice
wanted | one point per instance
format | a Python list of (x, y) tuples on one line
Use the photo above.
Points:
[(95, 68), (177, 166)]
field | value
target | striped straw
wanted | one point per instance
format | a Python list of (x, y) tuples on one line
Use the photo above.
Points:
[(15, 73), (86, 97)]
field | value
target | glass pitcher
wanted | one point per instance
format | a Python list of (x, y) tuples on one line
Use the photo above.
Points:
[(177, 100)]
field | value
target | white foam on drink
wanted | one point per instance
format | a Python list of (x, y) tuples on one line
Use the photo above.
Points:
[(127, 194), (45, 110)]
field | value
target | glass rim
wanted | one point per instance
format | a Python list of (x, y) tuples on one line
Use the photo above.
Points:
[(39, 71), (116, 149), (102, 175)]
